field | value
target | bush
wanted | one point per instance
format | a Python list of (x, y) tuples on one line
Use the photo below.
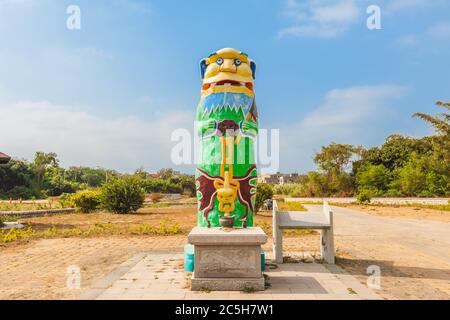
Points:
[(20, 192), (124, 195), (373, 177), (156, 197), (290, 189), (264, 191), (86, 200), (364, 196), (66, 200)]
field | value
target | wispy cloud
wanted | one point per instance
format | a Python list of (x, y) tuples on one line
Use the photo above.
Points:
[(319, 18), (349, 115), (394, 6), (80, 138), (135, 6), (428, 39), (15, 2)]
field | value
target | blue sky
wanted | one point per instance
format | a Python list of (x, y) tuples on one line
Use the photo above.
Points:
[(111, 93)]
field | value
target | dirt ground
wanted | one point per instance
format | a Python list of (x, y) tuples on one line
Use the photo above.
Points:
[(408, 212), (37, 269), (412, 254)]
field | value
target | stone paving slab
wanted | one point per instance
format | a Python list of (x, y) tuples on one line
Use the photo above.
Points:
[(160, 276)]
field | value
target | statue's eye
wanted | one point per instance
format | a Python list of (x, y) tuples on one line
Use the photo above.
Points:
[(237, 62), (219, 61)]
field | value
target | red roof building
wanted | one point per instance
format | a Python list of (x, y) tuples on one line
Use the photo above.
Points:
[(4, 158)]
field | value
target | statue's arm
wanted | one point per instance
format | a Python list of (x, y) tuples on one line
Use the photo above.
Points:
[(249, 127), (206, 127)]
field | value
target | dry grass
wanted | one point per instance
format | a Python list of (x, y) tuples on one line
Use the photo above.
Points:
[(28, 206), (291, 206)]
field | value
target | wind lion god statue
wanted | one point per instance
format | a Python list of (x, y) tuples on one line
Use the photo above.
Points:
[(227, 126)]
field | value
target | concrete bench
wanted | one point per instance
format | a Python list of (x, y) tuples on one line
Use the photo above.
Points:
[(322, 220)]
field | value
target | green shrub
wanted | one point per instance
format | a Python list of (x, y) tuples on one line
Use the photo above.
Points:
[(364, 196), (66, 200), (87, 200), (290, 189), (375, 177), (124, 195), (264, 191)]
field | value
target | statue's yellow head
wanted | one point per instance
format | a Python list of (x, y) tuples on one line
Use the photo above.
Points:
[(227, 70)]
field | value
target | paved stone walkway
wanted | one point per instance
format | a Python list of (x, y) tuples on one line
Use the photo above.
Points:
[(152, 276)]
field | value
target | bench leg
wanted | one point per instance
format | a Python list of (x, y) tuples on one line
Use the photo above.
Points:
[(327, 245), (278, 245)]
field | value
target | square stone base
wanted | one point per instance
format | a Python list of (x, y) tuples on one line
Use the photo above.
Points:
[(227, 260), (227, 284)]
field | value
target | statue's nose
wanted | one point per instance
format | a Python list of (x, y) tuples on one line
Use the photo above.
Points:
[(228, 66)]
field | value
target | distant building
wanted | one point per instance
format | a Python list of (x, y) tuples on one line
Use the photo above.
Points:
[(4, 158), (279, 178)]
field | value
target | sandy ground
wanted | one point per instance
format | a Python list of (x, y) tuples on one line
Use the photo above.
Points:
[(403, 212), (413, 254)]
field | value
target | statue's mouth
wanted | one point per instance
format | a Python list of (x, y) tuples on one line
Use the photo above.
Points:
[(234, 83)]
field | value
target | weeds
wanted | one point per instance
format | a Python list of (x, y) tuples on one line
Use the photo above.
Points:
[(291, 206), (17, 206), (248, 290), (97, 229)]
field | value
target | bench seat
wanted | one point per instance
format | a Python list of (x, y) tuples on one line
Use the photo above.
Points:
[(321, 220)]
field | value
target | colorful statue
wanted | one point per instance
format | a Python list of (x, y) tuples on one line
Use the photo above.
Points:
[(227, 125)]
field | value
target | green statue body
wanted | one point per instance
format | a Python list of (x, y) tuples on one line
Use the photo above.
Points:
[(227, 125)]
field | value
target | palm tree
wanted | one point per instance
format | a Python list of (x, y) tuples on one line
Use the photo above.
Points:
[(441, 122)]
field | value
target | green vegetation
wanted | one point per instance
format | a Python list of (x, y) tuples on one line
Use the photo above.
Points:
[(402, 166), (123, 195), (87, 200), (364, 196), (264, 191), (290, 206), (44, 178), (16, 206), (97, 229)]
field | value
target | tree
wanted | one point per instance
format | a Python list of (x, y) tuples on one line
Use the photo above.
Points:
[(264, 191), (166, 173), (441, 122), (334, 157), (374, 177), (42, 161)]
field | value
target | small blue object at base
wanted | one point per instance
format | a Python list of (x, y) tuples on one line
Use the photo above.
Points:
[(189, 258)]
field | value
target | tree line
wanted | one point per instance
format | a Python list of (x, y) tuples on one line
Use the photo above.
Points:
[(44, 177), (401, 166)]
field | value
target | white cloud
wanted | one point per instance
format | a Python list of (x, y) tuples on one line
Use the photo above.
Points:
[(350, 115), (440, 30), (424, 40), (15, 2), (319, 18), (80, 138), (393, 6)]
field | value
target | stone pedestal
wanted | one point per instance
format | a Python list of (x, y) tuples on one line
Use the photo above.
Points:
[(227, 260)]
